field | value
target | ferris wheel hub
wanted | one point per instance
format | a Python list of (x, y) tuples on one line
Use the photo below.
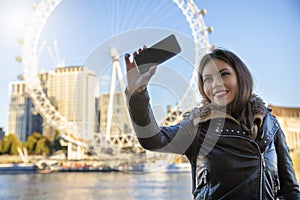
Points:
[(114, 53)]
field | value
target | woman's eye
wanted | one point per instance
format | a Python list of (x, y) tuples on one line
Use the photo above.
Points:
[(208, 80), (224, 74)]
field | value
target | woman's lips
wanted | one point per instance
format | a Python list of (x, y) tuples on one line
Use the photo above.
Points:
[(220, 93)]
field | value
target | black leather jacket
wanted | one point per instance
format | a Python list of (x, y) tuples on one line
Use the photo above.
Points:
[(226, 163)]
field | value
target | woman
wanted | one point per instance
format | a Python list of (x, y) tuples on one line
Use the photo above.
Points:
[(236, 147)]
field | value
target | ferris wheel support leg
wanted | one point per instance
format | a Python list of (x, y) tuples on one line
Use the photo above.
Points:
[(70, 152), (110, 104), (79, 152), (122, 88)]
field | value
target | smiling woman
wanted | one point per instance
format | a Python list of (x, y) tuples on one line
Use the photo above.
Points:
[(232, 131)]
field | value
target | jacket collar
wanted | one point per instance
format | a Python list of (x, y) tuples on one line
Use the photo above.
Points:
[(270, 127), (208, 111), (213, 114)]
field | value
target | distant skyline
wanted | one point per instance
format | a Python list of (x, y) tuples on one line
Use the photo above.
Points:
[(263, 33)]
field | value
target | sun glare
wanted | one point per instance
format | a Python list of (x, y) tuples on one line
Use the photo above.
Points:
[(14, 16)]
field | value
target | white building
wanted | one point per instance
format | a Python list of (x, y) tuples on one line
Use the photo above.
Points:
[(72, 92)]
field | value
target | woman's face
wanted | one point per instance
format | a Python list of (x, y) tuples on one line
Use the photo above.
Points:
[(220, 82)]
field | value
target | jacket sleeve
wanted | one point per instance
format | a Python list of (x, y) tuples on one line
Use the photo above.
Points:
[(289, 188), (172, 139)]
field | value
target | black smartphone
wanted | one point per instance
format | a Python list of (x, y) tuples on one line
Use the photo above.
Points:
[(157, 54)]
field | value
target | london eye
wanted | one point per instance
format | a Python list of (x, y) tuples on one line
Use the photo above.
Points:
[(193, 19)]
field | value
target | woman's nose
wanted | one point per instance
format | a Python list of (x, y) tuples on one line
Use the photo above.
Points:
[(217, 81)]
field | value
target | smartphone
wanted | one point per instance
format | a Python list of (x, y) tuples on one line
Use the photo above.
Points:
[(157, 54)]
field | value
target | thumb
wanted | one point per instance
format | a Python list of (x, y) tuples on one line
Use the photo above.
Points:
[(144, 78), (152, 70), (147, 76)]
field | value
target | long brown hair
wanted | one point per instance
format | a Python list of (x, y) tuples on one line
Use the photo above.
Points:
[(240, 108)]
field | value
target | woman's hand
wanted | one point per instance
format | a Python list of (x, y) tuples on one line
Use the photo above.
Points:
[(137, 82)]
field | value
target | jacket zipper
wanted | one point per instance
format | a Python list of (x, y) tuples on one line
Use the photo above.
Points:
[(262, 164)]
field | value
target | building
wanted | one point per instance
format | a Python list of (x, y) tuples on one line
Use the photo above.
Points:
[(69, 89), (72, 91), (119, 120), (97, 113), (44, 79), (23, 120), (289, 119), (2, 133)]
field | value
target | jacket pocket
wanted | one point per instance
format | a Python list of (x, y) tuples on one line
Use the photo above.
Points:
[(202, 189)]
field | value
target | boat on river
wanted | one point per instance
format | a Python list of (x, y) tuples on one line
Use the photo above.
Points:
[(12, 168)]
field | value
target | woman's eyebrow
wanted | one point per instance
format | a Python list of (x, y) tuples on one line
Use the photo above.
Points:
[(224, 69), (207, 75)]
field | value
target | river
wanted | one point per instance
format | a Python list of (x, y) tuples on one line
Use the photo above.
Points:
[(93, 185), (97, 185)]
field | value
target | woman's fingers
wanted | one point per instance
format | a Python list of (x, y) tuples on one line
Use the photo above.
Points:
[(129, 64), (136, 81)]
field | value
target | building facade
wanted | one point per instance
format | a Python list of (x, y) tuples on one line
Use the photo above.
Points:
[(289, 119), (44, 79), (72, 91), (23, 120), (119, 120), (2, 133), (69, 89)]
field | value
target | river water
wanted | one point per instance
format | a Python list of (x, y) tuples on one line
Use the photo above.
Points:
[(96, 185)]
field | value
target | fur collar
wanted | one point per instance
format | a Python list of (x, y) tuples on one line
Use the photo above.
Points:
[(208, 111), (258, 108)]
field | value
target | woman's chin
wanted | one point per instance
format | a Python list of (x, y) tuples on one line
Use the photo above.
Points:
[(220, 103)]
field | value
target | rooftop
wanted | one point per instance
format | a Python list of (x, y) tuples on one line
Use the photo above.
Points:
[(285, 111)]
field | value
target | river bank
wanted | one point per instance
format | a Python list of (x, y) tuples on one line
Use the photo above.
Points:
[(41, 164)]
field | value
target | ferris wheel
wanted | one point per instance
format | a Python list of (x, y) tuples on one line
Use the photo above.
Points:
[(68, 129)]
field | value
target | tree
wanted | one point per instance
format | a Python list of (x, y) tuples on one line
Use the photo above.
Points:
[(56, 143), (14, 147), (43, 146), (6, 145), (37, 144), (10, 145), (31, 143)]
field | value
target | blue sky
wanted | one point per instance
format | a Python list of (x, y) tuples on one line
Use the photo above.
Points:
[(263, 33)]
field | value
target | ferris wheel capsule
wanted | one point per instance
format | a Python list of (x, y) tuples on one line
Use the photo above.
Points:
[(203, 12), (19, 59), (210, 29)]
